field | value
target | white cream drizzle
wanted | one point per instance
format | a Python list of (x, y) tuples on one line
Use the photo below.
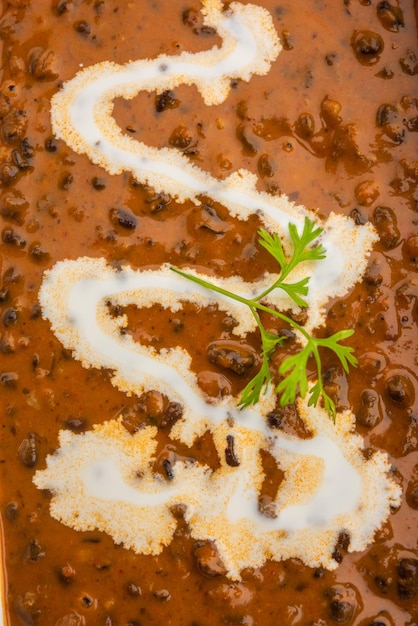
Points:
[(328, 485), (82, 116), (103, 478)]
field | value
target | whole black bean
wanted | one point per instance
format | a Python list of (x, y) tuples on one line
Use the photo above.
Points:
[(123, 218), (77, 425), (83, 28), (232, 356), (341, 546), (367, 46), (206, 217), (373, 275), (165, 100), (390, 16), (98, 183), (265, 166), (385, 222), (26, 149), (9, 379), (247, 139), (343, 602), (162, 594), (386, 114), (408, 578), (27, 450), (20, 161), (9, 317), (369, 413), (168, 468), (12, 238), (281, 415), (230, 455), (341, 612), (208, 561), (61, 6), (180, 138), (409, 63), (400, 390), (12, 511), (133, 590), (38, 253), (172, 413), (358, 218), (305, 126), (34, 551), (51, 144)]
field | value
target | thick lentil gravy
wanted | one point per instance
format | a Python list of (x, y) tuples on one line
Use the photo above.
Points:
[(138, 137)]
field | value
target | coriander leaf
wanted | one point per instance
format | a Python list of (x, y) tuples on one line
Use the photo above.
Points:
[(344, 353), (252, 392), (301, 253), (296, 380), (296, 290), (269, 341), (301, 242), (273, 245), (315, 392), (293, 368)]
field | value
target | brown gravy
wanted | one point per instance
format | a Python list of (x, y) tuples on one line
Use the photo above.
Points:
[(332, 125)]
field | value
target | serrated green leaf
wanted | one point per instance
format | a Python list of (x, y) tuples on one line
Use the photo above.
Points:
[(344, 353), (296, 290), (273, 245), (270, 341), (315, 392), (296, 381), (252, 392), (301, 242), (294, 368)]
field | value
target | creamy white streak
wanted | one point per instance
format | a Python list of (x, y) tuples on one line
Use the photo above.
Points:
[(103, 478), (82, 116), (328, 484)]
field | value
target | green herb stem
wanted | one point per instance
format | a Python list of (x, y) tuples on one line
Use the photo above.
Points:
[(293, 368)]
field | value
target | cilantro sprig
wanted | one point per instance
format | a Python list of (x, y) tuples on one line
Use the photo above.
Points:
[(293, 369)]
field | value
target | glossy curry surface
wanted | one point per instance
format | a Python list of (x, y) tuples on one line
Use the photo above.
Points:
[(332, 125)]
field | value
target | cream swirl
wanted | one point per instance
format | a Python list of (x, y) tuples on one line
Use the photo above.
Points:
[(82, 117), (94, 477)]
